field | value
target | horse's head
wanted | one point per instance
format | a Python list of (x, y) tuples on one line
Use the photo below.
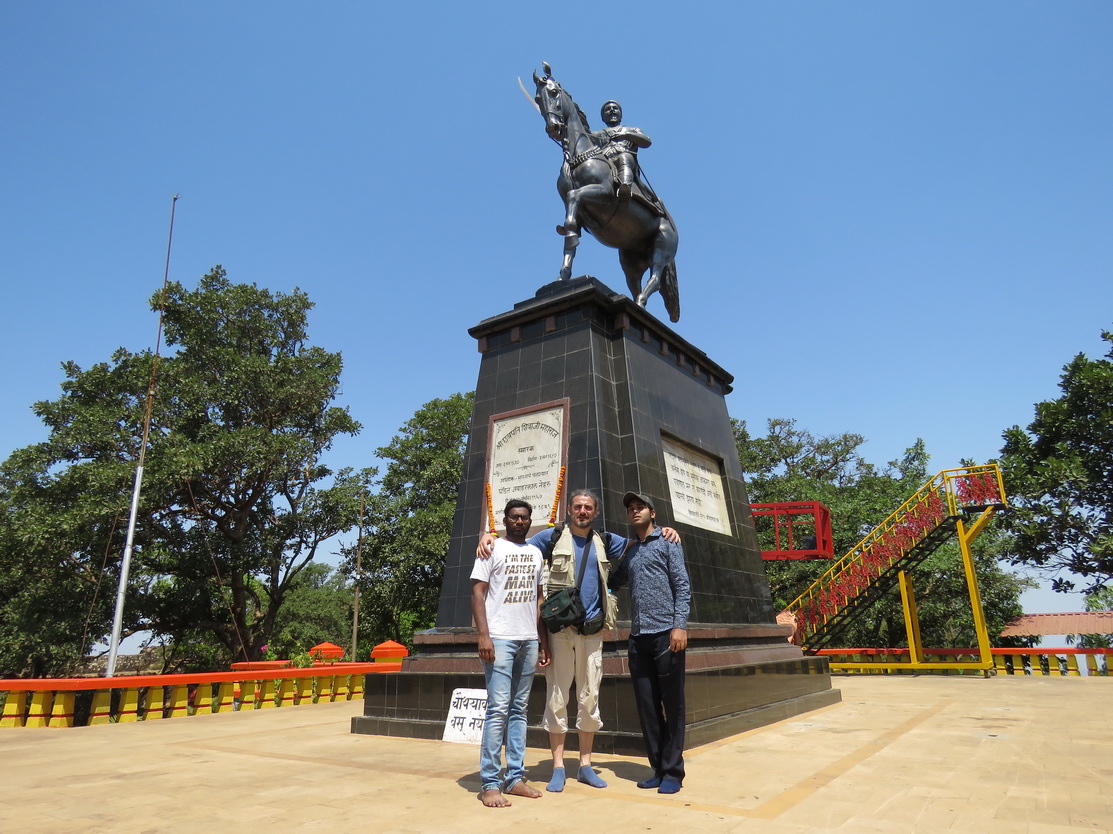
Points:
[(552, 102)]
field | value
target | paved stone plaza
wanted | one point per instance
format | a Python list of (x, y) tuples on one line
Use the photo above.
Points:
[(899, 754)]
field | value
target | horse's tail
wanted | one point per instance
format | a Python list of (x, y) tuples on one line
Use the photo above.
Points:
[(670, 292)]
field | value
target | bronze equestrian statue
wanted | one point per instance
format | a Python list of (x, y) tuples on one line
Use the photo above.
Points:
[(604, 194)]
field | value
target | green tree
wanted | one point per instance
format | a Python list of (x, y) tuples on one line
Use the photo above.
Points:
[(1059, 478), (409, 522), (1100, 599), (318, 608), (236, 502), (792, 464)]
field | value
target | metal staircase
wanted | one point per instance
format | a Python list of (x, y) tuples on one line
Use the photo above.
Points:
[(937, 511)]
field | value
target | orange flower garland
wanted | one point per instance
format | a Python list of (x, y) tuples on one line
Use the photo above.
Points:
[(556, 499), (491, 512)]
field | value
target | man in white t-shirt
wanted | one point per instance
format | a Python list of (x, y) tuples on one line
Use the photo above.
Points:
[(505, 604)]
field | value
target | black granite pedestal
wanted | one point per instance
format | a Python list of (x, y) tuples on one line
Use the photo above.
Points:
[(634, 393), (737, 679)]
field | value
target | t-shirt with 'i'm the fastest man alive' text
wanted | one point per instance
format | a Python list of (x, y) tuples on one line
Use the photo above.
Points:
[(513, 574)]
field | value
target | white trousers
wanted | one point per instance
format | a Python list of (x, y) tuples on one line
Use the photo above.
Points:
[(580, 657)]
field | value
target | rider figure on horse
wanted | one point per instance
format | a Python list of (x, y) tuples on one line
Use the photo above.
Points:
[(629, 217), (620, 145)]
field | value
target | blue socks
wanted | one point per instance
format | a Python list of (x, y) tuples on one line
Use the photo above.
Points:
[(556, 784), (588, 776), (664, 784), (669, 785)]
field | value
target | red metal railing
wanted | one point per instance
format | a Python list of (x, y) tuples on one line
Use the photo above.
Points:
[(801, 529)]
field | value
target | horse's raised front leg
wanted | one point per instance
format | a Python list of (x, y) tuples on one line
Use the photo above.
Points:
[(571, 227), (570, 230), (571, 241)]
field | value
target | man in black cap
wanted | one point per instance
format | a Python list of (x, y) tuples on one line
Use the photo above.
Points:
[(660, 596)]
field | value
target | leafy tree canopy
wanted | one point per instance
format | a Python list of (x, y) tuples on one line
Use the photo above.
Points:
[(235, 501), (1100, 599), (317, 609), (409, 522), (792, 464), (1059, 478)]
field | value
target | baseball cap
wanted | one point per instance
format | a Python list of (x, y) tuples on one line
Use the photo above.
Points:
[(637, 496)]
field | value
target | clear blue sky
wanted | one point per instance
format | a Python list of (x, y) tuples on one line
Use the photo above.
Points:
[(895, 218)]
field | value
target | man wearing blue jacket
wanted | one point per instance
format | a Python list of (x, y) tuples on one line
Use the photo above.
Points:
[(660, 597)]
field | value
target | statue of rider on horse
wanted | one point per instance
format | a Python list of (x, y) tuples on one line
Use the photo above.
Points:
[(605, 194), (620, 145)]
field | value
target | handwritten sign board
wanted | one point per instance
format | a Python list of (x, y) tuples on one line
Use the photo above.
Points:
[(467, 713), (527, 449), (696, 488)]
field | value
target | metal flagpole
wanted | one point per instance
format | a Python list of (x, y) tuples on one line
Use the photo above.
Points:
[(359, 560), (125, 564)]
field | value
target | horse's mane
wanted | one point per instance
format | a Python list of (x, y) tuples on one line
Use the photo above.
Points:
[(579, 110)]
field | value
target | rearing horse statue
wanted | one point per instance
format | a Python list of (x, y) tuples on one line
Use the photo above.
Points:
[(642, 230)]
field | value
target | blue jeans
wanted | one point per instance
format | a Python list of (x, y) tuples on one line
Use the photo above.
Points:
[(509, 680)]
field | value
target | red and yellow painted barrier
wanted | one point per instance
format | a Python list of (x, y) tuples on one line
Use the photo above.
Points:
[(1045, 662), (62, 713), (39, 714), (50, 702), (15, 712), (389, 652)]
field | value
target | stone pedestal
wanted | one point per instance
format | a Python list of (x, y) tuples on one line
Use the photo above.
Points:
[(645, 411), (737, 679), (632, 386)]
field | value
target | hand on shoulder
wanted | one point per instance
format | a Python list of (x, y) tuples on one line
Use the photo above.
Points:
[(486, 546)]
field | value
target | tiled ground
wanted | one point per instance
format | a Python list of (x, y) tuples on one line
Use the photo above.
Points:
[(899, 754)]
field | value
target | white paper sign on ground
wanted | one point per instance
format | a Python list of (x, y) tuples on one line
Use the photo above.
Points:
[(467, 712)]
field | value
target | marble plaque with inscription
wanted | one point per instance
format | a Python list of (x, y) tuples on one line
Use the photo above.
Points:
[(696, 488), (526, 453)]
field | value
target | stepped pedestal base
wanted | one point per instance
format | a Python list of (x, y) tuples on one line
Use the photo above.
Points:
[(739, 678)]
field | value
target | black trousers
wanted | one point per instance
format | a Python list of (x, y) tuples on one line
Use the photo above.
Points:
[(658, 677)]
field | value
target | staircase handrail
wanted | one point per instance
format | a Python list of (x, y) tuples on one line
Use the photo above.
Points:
[(950, 486)]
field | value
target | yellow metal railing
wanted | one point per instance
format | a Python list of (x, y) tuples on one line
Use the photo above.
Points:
[(1037, 662)]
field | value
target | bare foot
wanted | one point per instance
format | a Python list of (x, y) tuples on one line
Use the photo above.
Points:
[(520, 788), (493, 798)]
